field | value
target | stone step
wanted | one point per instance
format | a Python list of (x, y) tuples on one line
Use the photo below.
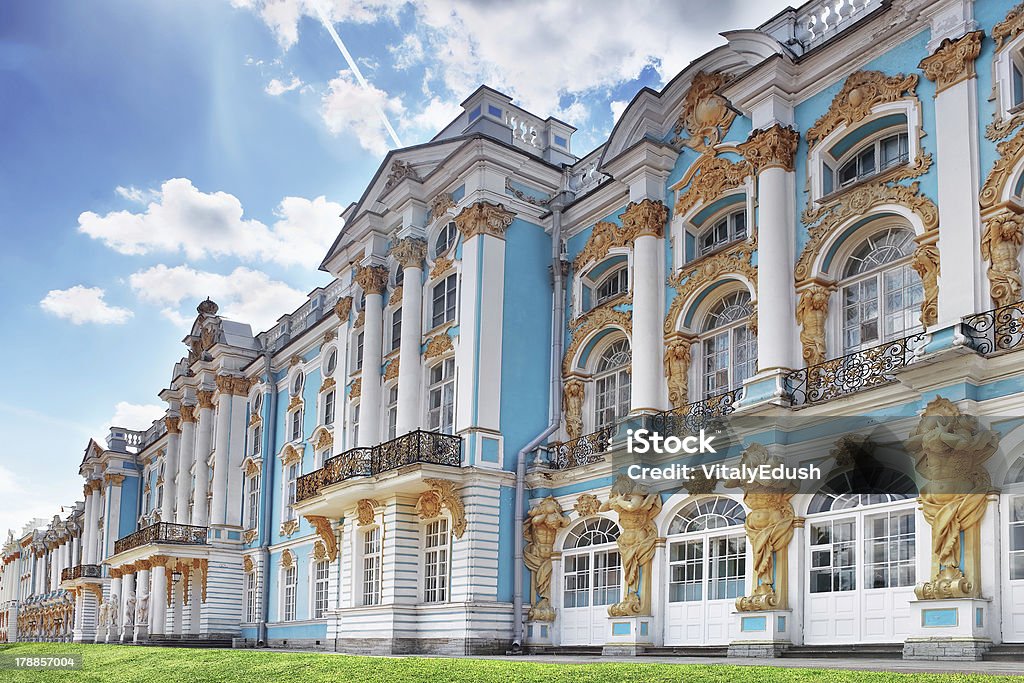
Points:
[(861, 651), (192, 642), (686, 651), (1013, 652)]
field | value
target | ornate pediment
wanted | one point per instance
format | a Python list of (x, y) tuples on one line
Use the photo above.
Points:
[(860, 93)]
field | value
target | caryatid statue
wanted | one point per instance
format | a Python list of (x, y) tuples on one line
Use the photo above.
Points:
[(637, 509), (142, 613), (769, 526), (115, 606), (542, 524), (104, 614), (950, 450), (129, 611)]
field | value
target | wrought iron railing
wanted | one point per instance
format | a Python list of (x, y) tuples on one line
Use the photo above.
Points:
[(853, 372), (584, 450), (693, 417), (415, 447), (82, 571), (162, 532), (1001, 329)]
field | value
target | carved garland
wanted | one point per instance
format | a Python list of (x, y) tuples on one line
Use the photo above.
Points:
[(646, 217), (442, 495), (708, 179), (438, 345), (1010, 154), (326, 531), (860, 93)]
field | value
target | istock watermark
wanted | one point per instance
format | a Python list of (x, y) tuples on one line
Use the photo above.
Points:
[(644, 441)]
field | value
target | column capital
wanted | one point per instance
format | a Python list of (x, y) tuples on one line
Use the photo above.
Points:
[(773, 147), (188, 413), (95, 484), (233, 385), (484, 218), (343, 308), (205, 399), (410, 252), (173, 425), (953, 61), (113, 479), (373, 279), (86, 490), (645, 218)]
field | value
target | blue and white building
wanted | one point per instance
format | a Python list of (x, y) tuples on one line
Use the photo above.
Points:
[(821, 219)]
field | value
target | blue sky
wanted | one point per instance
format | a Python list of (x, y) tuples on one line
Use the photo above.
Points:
[(155, 152)]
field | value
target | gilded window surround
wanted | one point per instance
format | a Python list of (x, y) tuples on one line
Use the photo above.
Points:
[(953, 61), (1009, 27), (595, 320), (735, 260)]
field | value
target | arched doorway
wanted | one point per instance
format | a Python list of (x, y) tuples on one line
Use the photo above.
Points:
[(707, 560), (591, 581), (861, 558)]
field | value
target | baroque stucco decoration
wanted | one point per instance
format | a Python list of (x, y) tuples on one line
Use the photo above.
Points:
[(442, 494), (440, 204), (543, 523), (324, 440), (572, 404), (677, 368), (708, 179), (355, 389), (232, 385), (343, 308), (925, 263), (441, 266), (860, 93), (410, 252), (646, 217), (1000, 246), (1009, 27), (950, 450), (400, 170), (372, 279), (773, 147), (586, 505), (598, 319), (289, 528), (326, 532), (769, 526), (484, 218), (392, 370), (366, 511), (734, 261), (953, 61), (636, 509), (706, 115), (438, 345), (811, 314)]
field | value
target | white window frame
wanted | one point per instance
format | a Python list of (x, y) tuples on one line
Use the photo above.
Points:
[(391, 412), (619, 275), (372, 544), (873, 144), (1011, 56), (621, 377), (450, 232), (699, 368), (291, 474), (437, 560), (320, 585), (395, 338), (450, 298), (441, 387), (290, 591), (732, 234), (330, 406), (252, 594), (252, 512)]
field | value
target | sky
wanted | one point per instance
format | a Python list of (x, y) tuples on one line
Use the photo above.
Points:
[(156, 152)]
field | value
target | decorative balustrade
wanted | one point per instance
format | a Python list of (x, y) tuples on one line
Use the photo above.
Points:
[(816, 22), (853, 372), (1001, 329), (526, 130), (162, 532), (584, 450), (82, 571), (415, 447), (693, 417)]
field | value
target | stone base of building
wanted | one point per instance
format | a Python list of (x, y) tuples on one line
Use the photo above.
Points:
[(386, 646), (956, 649), (758, 649), (951, 628), (631, 650), (764, 633)]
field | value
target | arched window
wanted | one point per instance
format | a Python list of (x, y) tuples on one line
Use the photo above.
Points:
[(881, 292), (445, 238), (725, 230), (297, 383), (707, 513), (612, 384), (593, 531), (860, 487), (871, 159), (728, 348), (613, 285), (332, 361)]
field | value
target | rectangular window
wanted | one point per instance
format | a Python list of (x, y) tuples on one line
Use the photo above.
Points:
[(686, 571), (607, 577), (889, 550), (726, 567), (833, 556), (254, 502), (297, 425), (329, 408), (359, 351), (291, 480), (1017, 538), (396, 329), (435, 562), (441, 397), (393, 412), (444, 301), (251, 597), (355, 426), (577, 581), (371, 566), (291, 576), (1017, 85), (257, 439), (322, 571)]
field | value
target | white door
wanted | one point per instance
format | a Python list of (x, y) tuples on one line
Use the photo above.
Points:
[(861, 575), (591, 581), (706, 574), (1012, 516)]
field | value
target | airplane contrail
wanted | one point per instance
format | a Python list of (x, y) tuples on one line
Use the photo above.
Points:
[(355, 69)]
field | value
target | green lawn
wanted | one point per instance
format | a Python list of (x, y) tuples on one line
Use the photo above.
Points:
[(153, 665)]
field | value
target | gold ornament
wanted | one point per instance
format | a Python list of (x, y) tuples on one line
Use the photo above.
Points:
[(442, 495), (441, 266), (290, 455), (287, 559), (811, 314), (543, 523), (773, 147), (289, 528), (953, 61), (484, 218), (355, 389), (326, 531), (343, 308), (572, 404), (295, 403), (587, 505), (859, 94), (1010, 154), (172, 424), (645, 218), (706, 115), (205, 400), (1000, 245), (372, 279), (396, 296), (409, 252), (438, 345), (708, 179), (1009, 27), (327, 384), (677, 369), (247, 564), (392, 370), (324, 440), (440, 204), (188, 413), (598, 319), (689, 280), (234, 386), (926, 265), (366, 511), (636, 509)]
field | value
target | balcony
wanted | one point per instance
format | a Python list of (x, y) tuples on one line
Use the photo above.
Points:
[(854, 372), (1001, 329), (162, 532), (82, 571), (417, 447), (584, 450)]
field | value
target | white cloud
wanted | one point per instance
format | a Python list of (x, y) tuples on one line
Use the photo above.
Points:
[(347, 107), (134, 194), (82, 305), (136, 416), (245, 295), (408, 52), (278, 87), (617, 107), (182, 218), (436, 115), (24, 500), (283, 16)]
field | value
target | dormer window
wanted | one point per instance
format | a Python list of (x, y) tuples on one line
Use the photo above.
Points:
[(445, 238), (728, 229), (612, 286), (873, 158)]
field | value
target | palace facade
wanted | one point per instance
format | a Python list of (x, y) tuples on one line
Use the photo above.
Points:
[(819, 221)]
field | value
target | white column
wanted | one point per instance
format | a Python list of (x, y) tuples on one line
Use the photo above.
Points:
[(204, 437), (170, 468), (646, 219), (112, 525), (88, 521), (962, 280), (373, 280), (235, 447), (218, 507), (185, 454), (127, 592), (771, 151), (410, 253), (142, 589), (158, 599)]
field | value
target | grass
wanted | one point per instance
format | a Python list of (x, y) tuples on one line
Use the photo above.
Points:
[(123, 664)]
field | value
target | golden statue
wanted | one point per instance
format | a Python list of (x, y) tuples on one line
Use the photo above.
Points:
[(637, 509), (811, 313), (542, 524), (572, 403), (926, 264), (950, 450), (1001, 243), (677, 370), (769, 526)]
